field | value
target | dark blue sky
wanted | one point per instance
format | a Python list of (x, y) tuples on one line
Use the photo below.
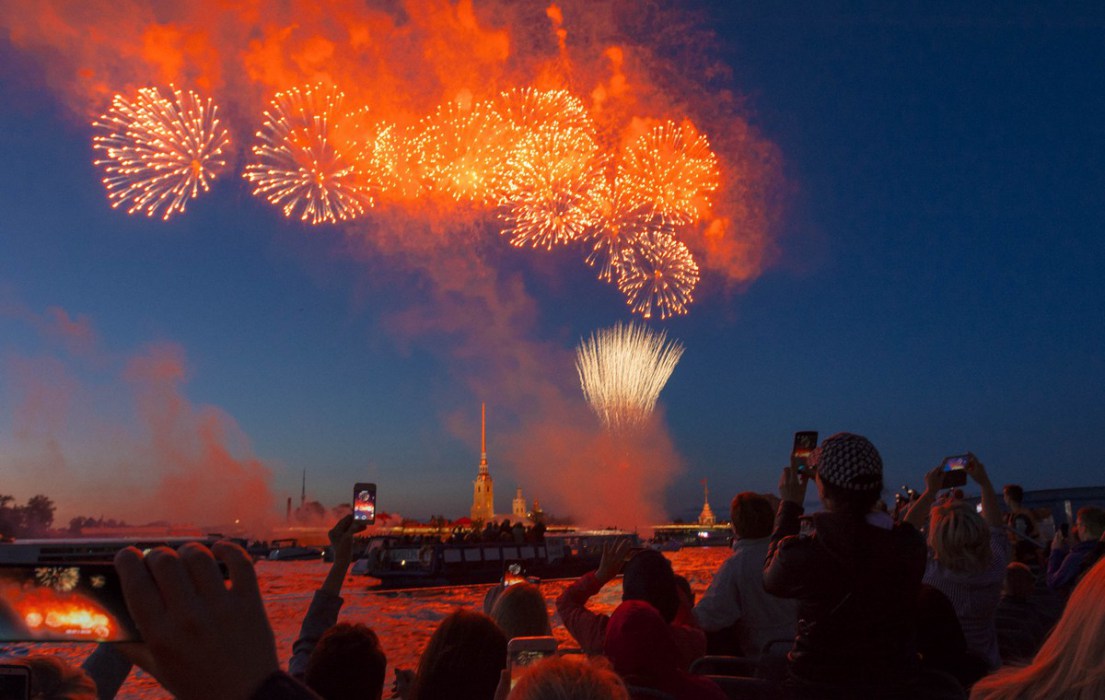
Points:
[(936, 289)]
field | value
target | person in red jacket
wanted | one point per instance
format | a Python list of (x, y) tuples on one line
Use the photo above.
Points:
[(648, 577)]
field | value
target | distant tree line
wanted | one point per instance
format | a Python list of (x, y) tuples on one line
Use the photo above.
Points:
[(34, 519), (79, 523)]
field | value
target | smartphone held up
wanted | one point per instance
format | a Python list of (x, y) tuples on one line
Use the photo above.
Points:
[(364, 503), (805, 442), (955, 471)]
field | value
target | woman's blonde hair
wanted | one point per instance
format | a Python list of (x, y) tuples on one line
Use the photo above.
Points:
[(570, 678), (520, 611), (959, 537), (1071, 662)]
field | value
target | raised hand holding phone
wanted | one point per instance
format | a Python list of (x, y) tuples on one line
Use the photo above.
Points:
[(792, 486)]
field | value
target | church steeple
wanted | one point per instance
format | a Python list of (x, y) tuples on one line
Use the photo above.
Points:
[(483, 488)]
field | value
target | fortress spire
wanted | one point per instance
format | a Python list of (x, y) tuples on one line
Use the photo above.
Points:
[(483, 488), (483, 438)]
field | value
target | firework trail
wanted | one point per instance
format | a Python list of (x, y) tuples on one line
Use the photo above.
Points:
[(622, 370), (660, 275), (157, 152), (307, 154), (462, 150), (672, 169)]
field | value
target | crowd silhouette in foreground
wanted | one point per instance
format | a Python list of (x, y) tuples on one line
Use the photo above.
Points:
[(939, 600)]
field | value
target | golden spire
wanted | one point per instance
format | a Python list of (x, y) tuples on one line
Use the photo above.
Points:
[(483, 438)]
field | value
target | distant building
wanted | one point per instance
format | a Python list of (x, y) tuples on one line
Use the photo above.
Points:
[(706, 517), (483, 489), (519, 509)]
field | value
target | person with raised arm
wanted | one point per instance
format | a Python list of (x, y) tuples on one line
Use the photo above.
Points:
[(338, 660), (648, 577), (856, 577), (968, 553)]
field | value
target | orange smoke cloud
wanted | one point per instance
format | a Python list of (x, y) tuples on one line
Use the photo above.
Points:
[(201, 481), (154, 457)]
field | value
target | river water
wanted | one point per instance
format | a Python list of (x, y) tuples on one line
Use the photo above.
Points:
[(404, 620)]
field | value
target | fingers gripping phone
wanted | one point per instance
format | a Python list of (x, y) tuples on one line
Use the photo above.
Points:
[(805, 442), (523, 651), (955, 471), (364, 503)]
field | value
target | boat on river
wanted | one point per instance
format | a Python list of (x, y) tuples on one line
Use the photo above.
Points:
[(400, 563)]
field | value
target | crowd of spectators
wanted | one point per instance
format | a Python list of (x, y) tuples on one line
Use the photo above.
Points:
[(937, 600)]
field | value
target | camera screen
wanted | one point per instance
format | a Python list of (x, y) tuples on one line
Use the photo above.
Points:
[(63, 603)]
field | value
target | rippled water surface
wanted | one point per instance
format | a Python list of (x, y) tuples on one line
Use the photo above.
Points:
[(404, 620)]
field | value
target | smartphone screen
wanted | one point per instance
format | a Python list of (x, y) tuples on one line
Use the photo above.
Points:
[(955, 471), (63, 603), (523, 651), (15, 682), (805, 442), (364, 503)]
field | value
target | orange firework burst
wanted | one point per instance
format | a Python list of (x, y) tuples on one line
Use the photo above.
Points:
[(159, 152), (463, 150), (660, 273), (554, 174), (621, 223), (673, 170), (306, 160), (533, 110), (387, 156)]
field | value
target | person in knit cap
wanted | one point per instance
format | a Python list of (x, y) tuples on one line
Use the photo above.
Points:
[(856, 577)]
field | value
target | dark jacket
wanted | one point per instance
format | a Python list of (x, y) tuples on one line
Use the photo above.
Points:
[(857, 586)]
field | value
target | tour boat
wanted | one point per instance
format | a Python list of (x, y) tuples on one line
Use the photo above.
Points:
[(400, 563)]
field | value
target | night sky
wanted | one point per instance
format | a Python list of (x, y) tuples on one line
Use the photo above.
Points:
[(931, 281)]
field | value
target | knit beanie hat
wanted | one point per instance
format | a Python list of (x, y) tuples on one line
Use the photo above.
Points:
[(849, 462)]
